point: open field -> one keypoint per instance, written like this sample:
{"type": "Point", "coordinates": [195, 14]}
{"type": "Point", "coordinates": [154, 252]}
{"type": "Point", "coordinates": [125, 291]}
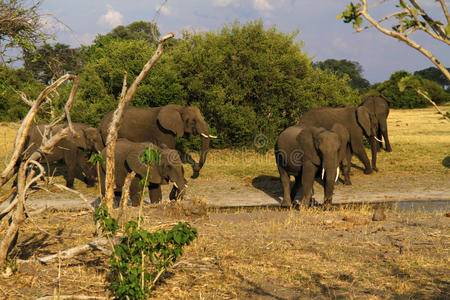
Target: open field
{"type": "Point", "coordinates": [259, 254]}
{"type": "Point", "coordinates": [270, 253]}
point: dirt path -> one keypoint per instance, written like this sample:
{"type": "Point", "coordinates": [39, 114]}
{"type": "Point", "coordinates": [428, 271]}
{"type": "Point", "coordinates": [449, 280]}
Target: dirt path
{"type": "Point", "coordinates": [266, 190]}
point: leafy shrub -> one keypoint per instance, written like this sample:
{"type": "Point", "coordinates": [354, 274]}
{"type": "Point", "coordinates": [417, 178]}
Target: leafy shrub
{"type": "Point", "coordinates": [12, 108]}
{"type": "Point", "coordinates": [246, 79]}
{"type": "Point", "coordinates": [138, 250]}
{"type": "Point", "coordinates": [409, 97]}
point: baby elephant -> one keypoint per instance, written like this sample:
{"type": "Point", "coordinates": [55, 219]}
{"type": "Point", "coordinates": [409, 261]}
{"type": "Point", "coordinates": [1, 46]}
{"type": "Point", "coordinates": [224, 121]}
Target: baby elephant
{"type": "Point", "coordinates": [301, 151]}
{"type": "Point", "coordinates": [127, 159]}
{"type": "Point", "coordinates": [71, 149]}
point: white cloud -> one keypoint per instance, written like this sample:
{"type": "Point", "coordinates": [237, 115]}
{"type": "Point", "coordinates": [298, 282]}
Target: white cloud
{"type": "Point", "coordinates": [85, 39]}
{"type": "Point", "coordinates": [223, 3]}
{"type": "Point", "coordinates": [112, 18]}
{"type": "Point", "coordinates": [262, 5]}
{"type": "Point", "coordinates": [432, 3]}
{"type": "Point", "coordinates": [164, 10]}
{"type": "Point", "coordinates": [51, 24]}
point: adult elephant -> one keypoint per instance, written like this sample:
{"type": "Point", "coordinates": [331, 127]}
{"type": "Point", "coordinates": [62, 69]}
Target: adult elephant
{"type": "Point", "coordinates": [358, 121]}
{"type": "Point", "coordinates": [379, 106]}
{"type": "Point", "coordinates": [301, 151]}
{"type": "Point", "coordinates": [127, 159]}
{"type": "Point", "coordinates": [71, 149]}
{"type": "Point", "coordinates": [161, 125]}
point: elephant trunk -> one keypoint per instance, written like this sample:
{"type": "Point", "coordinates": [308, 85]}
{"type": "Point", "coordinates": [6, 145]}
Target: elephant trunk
{"type": "Point", "coordinates": [205, 136]}
{"type": "Point", "coordinates": [179, 189]}
{"type": "Point", "coordinates": [330, 175]}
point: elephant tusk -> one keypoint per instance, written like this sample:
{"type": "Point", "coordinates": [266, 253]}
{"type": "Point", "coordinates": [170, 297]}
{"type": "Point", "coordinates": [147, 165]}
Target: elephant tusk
{"type": "Point", "coordinates": [213, 136]}
{"type": "Point", "coordinates": [337, 175]}
{"type": "Point", "coordinates": [185, 186]}
{"type": "Point", "coordinates": [175, 184]}
{"type": "Point", "coordinates": [323, 173]}
{"type": "Point", "coordinates": [377, 139]}
{"type": "Point", "coordinates": [204, 135]}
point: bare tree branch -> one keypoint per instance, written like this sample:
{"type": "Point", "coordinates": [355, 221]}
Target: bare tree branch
{"type": "Point", "coordinates": [8, 195]}
{"type": "Point", "coordinates": [432, 102]}
{"type": "Point", "coordinates": [117, 119]}
{"type": "Point", "coordinates": [433, 24]}
{"type": "Point", "coordinates": [445, 10]}
{"type": "Point", "coordinates": [364, 12]}
{"type": "Point", "coordinates": [7, 173]}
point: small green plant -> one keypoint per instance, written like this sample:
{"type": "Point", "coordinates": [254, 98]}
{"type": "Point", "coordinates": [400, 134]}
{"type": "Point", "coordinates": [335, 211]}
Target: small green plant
{"type": "Point", "coordinates": [148, 157]}
{"type": "Point", "coordinates": [141, 257]}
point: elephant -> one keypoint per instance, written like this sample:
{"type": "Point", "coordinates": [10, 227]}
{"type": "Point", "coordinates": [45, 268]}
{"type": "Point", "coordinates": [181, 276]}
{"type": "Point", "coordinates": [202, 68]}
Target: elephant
{"type": "Point", "coordinates": [301, 151]}
{"type": "Point", "coordinates": [161, 125]}
{"type": "Point", "coordinates": [358, 121]}
{"type": "Point", "coordinates": [379, 105]}
{"type": "Point", "coordinates": [127, 159]}
{"type": "Point", "coordinates": [71, 149]}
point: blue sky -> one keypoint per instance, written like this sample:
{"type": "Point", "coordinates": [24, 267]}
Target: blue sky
{"type": "Point", "coordinates": [323, 36]}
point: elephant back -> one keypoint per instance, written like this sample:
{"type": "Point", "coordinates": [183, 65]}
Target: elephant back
{"type": "Point", "coordinates": [288, 152]}
{"type": "Point", "coordinates": [138, 125]}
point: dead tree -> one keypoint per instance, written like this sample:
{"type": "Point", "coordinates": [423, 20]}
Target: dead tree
{"type": "Point", "coordinates": [125, 98]}
{"type": "Point", "coordinates": [410, 18]}
{"type": "Point", "coordinates": [29, 171]}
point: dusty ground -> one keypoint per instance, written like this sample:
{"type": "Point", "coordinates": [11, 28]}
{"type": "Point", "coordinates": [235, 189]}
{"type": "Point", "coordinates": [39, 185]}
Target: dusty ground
{"type": "Point", "coordinates": [267, 253]}
{"type": "Point", "coordinates": [257, 254]}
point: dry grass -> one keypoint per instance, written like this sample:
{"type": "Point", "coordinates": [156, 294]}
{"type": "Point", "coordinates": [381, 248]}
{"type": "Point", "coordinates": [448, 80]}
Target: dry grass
{"type": "Point", "coordinates": [270, 254]}
{"type": "Point", "coordinates": [419, 137]}
{"type": "Point", "coordinates": [420, 140]}
{"type": "Point", "coordinates": [260, 254]}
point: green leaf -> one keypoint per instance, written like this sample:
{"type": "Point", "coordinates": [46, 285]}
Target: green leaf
{"type": "Point", "coordinates": [447, 29]}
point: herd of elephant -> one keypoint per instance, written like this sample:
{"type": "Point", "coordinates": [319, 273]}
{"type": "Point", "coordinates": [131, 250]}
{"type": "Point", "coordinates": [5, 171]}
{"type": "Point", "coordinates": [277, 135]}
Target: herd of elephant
{"type": "Point", "coordinates": [324, 139]}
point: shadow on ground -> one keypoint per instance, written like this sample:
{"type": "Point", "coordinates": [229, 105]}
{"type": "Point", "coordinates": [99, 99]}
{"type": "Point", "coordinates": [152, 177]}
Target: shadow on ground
{"type": "Point", "coordinates": [270, 185]}
{"type": "Point", "coordinates": [446, 162]}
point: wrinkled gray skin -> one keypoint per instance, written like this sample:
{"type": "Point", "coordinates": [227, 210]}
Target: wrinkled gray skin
{"type": "Point", "coordinates": [71, 149]}
{"type": "Point", "coordinates": [303, 152]}
{"type": "Point", "coordinates": [127, 155]}
{"type": "Point", "coordinates": [160, 125]}
{"type": "Point", "coordinates": [358, 121]}
{"type": "Point", "coordinates": [379, 105]}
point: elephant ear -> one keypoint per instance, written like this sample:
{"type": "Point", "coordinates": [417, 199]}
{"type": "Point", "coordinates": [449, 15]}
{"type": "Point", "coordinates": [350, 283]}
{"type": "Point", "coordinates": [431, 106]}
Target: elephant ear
{"type": "Point", "coordinates": [169, 118]}
{"type": "Point", "coordinates": [134, 163]}
{"type": "Point", "coordinates": [92, 138]}
{"type": "Point", "coordinates": [363, 117]}
{"type": "Point", "coordinates": [344, 138]}
{"type": "Point", "coordinates": [78, 138]}
{"type": "Point", "coordinates": [306, 142]}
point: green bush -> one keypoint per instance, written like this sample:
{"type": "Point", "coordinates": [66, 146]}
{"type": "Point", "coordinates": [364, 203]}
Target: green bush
{"type": "Point", "coordinates": [12, 108]}
{"type": "Point", "coordinates": [246, 79]}
{"type": "Point", "coordinates": [141, 257]}
{"type": "Point", "coordinates": [409, 98]}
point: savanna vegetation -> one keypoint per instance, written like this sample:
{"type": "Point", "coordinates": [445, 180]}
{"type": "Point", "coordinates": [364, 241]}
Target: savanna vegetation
{"type": "Point", "coordinates": [247, 79]}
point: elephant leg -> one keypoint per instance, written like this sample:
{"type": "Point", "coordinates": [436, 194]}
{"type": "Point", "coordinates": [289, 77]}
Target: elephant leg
{"type": "Point", "coordinates": [308, 174]}
{"type": "Point", "coordinates": [134, 193]}
{"type": "Point", "coordinates": [384, 132]}
{"type": "Point", "coordinates": [379, 144]}
{"type": "Point", "coordinates": [286, 183]}
{"type": "Point", "coordinates": [373, 147]}
{"type": "Point", "coordinates": [70, 162]}
{"type": "Point", "coordinates": [154, 192]}
{"type": "Point", "coordinates": [358, 150]}
{"type": "Point", "coordinates": [296, 187]}
{"type": "Point", "coordinates": [346, 164]}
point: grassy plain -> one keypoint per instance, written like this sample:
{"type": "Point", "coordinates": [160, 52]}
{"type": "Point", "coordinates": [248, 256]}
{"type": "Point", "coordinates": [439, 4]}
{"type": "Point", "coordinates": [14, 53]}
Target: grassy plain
{"type": "Point", "coordinates": [267, 253]}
